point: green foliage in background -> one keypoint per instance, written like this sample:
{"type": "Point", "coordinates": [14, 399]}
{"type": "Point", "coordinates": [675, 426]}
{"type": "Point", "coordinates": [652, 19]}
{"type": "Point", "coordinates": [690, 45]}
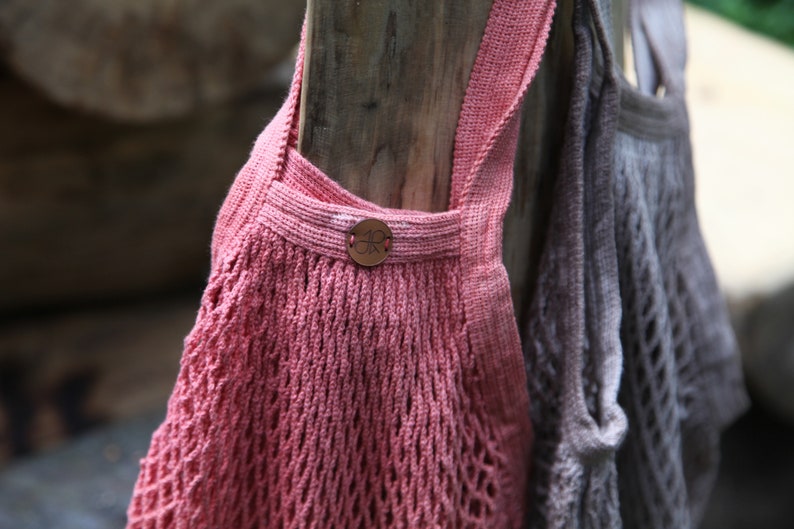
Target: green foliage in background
{"type": "Point", "coordinates": [770, 17]}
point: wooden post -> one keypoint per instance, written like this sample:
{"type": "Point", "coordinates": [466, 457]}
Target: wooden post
{"type": "Point", "coordinates": [383, 84]}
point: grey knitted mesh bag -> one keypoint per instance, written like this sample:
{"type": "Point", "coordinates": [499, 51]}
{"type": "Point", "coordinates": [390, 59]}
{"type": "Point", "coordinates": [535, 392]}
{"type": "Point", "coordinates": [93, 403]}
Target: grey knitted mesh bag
{"type": "Point", "coordinates": [632, 364]}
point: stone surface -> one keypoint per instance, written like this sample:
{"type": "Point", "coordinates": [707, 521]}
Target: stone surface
{"type": "Point", "coordinates": [64, 374]}
{"type": "Point", "coordinates": [85, 485]}
{"type": "Point", "coordinates": [766, 333]}
{"type": "Point", "coordinates": [95, 210]}
{"type": "Point", "coordinates": [755, 486]}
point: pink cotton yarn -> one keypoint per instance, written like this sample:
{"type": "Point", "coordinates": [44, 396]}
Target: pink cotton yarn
{"type": "Point", "coordinates": [317, 393]}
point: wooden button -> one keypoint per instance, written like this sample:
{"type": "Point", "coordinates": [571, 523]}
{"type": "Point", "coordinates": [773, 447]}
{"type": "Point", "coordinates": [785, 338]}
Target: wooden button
{"type": "Point", "coordinates": [369, 242]}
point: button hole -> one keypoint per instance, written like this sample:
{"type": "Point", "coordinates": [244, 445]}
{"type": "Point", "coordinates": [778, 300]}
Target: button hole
{"type": "Point", "coordinates": [352, 240]}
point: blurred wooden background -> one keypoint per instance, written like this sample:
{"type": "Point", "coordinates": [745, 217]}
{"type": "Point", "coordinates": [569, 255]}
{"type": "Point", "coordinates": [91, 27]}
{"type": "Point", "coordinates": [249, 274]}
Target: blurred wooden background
{"type": "Point", "coordinates": [123, 124]}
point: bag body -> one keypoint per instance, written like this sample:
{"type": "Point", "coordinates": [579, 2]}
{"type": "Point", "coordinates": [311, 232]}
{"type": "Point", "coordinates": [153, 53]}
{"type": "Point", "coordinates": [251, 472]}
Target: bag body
{"type": "Point", "coordinates": [316, 392]}
{"type": "Point", "coordinates": [632, 364]}
{"type": "Point", "coordinates": [682, 382]}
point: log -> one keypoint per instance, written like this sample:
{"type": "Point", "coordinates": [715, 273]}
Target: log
{"type": "Point", "coordinates": [92, 210]}
{"type": "Point", "coordinates": [140, 61]}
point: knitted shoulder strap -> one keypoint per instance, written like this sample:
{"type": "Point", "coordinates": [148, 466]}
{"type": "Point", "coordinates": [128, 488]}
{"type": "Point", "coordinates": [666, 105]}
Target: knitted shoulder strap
{"type": "Point", "coordinates": [506, 63]}
{"type": "Point", "coordinates": [592, 126]}
{"type": "Point", "coordinates": [659, 42]}
{"type": "Point", "coordinates": [482, 178]}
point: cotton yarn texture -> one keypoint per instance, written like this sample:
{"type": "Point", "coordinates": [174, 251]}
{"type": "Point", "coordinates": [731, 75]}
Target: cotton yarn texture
{"type": "Point", "coordinates": [632, 365]}
{"type": "Point", "coordinates": [316, 393]}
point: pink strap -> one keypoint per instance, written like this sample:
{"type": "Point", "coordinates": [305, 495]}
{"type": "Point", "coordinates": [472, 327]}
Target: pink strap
{"type": "Point", "coordinates": [506, 63]}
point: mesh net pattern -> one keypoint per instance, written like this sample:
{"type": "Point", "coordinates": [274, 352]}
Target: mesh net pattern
{"type": "Point", "coordinates": [652, 479]}
{"type": "Point", "coordinates": [632, 365]}
{"type": "Point", "coordinates": [337, 411]}
{"type": "Point", "coordinates": [681, 382]}
{"type": "Point", "coordinates": [315, 393]}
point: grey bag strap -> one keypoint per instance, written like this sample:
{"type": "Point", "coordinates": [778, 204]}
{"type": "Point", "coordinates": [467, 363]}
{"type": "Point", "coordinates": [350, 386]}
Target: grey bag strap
{"type": "Point", "coordinates": [659, 42]}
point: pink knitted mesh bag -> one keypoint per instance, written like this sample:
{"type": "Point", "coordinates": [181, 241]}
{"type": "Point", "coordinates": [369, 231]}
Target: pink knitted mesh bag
{"type": "Point", "coordinates": [315, 392]}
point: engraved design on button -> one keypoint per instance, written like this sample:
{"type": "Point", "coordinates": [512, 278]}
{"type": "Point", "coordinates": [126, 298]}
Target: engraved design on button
{"type": "Point", "coordinates": [369, 242]}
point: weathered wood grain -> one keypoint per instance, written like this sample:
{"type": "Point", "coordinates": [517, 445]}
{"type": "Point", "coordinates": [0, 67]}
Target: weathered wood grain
{"type": "Point", "coordinates": [537, 160]}
{"type": "Point", "coordinates": [383, 84]}
{"type": "Point", "coordinates": [93, 210]}
{"type": "Point", "coordinates": [144, 60]}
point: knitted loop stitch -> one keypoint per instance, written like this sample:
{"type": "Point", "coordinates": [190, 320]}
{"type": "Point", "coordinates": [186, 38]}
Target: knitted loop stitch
{"type": "Point", "coordinates": [314, 392]}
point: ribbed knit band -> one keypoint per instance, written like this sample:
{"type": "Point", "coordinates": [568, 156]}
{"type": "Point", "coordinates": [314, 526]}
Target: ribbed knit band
{"type": "Point", "coordinates": [294, 210]}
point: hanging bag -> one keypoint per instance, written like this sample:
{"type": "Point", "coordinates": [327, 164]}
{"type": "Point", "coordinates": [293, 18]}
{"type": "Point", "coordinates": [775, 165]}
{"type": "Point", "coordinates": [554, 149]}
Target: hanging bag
{"type": "Point", "coordinates": [633, 368]}
{"type": "Point", "coordinates": [682, 382]}
{"type": "Point", "coordinates": [315, 391]}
